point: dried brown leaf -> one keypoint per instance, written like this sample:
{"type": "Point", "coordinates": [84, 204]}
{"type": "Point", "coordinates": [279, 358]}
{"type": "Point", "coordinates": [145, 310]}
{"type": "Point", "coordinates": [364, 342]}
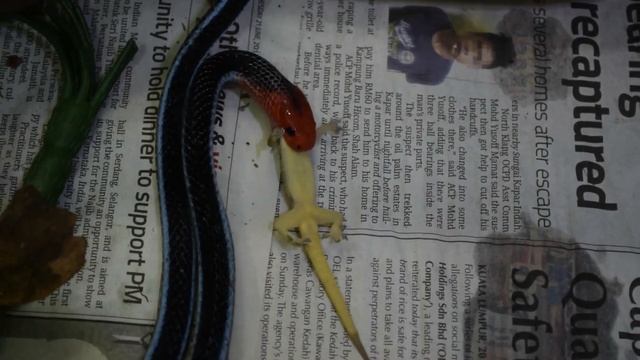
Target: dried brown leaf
{"type": "Point", "coordinates": [38, 252]}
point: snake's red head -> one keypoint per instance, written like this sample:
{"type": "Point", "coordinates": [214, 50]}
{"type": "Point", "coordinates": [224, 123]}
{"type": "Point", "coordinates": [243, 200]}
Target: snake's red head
{"type": "Point", "coordinates": [295, 117]}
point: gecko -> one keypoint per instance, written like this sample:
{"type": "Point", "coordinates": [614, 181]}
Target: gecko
{"type": "Point", "coordinates": [305, 217]}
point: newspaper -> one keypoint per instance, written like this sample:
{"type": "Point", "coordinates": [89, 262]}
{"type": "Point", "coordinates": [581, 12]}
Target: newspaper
{"type": "Point", "coordinates": [489, 200]}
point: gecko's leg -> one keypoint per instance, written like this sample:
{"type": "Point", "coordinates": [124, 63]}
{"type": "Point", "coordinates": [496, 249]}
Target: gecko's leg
{"type": "Point", "coordinates": [332, 127]}
{"type": "Point", "coordinates": [286, 223]}
{"type": "Point", "coordinates": [326, 217]}
{"type": "Point", "coordinates": [245, 101]}
{"type": "Point", "coordinates": [292, 219]}
{"type": "Point", "coordinates": [274, 138]}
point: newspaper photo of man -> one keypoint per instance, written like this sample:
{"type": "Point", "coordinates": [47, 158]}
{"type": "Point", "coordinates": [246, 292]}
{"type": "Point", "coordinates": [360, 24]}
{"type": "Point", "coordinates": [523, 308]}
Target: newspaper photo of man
{"type": "Point", "coordinates": [424, 45]}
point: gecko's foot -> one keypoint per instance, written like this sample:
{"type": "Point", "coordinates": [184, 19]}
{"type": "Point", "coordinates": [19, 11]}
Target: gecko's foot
{"type": "Point", "coordinates": [311, 214]}
{"type": "Point", "coordinates": [340, 235]}
{"type": "Point", "coordinates": [332, 127]}
{"type": "Point", "coordinates": [336, 231]}
{"type": "Point", "coordinates": [245, 101]}
{"type": "Point", "coordinates": [274, 137]}
{"type": "Point", "coordinates": [288, 234]}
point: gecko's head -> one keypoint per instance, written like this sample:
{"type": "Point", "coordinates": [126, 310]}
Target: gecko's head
{"type": "Point", "coordinates": [297, 122]}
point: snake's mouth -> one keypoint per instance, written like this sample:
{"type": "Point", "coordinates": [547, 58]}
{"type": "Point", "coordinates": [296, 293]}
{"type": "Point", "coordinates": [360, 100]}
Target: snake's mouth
{"type": "Point", "coordinates": [298, 142]}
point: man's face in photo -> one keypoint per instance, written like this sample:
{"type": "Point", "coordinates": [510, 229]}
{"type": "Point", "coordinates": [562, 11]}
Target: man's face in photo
{"type": "Point", "coordinates": [470, 49]}
{"type": "Point", "coordinates": [475, 51]}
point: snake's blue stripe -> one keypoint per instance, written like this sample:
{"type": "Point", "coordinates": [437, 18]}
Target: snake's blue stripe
{"type": "Point", "coordinates": [180, 279]}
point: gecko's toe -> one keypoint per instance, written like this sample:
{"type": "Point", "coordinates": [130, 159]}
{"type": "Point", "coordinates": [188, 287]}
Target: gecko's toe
{"type": "Point", "coordinates": [336, 233]}
{"type": "Point", "coordinates": [282, 236]}
{"type": "Point", "coordinates": [303, 241]}
{"type": "Point", "coordinates": [298, 240]}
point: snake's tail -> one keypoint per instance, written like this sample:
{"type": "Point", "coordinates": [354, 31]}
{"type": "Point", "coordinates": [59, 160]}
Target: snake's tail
{"type": "Point", "coordinates": [315, 254]}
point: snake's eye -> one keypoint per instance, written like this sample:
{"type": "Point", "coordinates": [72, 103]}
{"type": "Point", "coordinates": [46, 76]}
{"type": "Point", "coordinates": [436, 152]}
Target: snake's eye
{"type": "Point", "coordinates": [290, 131]}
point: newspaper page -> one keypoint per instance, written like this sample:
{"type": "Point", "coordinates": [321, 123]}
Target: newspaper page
{"type": "Point", "coordinates": [486, 170]}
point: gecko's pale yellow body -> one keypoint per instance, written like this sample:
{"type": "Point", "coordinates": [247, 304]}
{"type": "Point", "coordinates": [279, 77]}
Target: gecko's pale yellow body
{"type": "Point", "coordinates": [304, 218]}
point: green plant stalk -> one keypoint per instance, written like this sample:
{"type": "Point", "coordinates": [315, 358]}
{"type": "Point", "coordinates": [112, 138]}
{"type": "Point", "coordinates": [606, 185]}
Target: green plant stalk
{"type": "Point", "coordinates": [67, 129]}
{"type": "Point", "coordinates": [67, 16]}
{"type": "Point", "coordinates": [79, 99]}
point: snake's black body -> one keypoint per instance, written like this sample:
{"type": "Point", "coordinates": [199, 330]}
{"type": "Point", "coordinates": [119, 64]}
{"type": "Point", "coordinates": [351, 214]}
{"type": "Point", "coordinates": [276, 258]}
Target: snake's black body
{"type": "Point", "coordinates": [196, 306]}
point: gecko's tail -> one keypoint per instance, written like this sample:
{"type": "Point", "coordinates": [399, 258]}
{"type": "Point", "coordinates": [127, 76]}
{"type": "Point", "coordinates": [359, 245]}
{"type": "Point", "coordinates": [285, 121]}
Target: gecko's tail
{"type": "Point", "coordinates": [315, 254]}
{"type": "Point", "coordinates": [357, 343]}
